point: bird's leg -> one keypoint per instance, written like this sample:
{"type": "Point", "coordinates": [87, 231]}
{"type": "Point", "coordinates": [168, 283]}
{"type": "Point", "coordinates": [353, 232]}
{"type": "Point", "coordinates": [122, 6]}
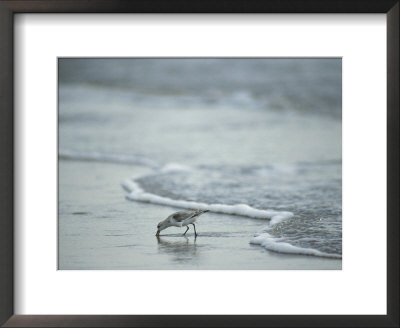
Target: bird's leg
{"type": "Point", "coordinates": [187, 228]}
{"type": "Point", "coordinates": [195, 233]}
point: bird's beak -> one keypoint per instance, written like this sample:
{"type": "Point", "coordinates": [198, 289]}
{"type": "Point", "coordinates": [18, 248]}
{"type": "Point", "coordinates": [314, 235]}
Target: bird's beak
{"type": "Point", "coordinates": [158, 233]}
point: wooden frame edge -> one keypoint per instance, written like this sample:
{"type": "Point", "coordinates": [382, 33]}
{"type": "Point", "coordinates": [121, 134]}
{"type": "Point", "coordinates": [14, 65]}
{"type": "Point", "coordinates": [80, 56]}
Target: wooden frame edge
{"type": "Point", "coordinates": [9, 8]}
{"type": "Point", "coordinates": [6, 165]}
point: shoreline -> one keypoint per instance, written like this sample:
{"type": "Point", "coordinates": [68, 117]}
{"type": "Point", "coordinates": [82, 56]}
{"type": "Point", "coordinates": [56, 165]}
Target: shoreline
{"type": "Point", "coordinates": [109, 232]}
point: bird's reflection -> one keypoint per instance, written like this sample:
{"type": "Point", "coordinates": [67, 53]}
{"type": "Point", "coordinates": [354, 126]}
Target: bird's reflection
{"type": "Point", "coordinates": [183, 249]}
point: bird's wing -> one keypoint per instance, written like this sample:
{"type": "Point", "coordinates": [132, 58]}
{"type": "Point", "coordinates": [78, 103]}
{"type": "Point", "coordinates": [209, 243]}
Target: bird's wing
{"type": "Point", "coordinates": [181, 216]}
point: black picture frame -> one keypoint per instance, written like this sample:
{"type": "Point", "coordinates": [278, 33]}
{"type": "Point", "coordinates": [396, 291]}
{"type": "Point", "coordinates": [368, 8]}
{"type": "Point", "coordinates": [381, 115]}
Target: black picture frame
{"type": "Point", "coordinates": [10, 7]}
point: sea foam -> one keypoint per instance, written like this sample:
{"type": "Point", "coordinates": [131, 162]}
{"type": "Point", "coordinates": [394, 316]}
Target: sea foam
{"type": "Point", "coordinates": [264, 239]}
{"type": "Point", "coordinates": [136, 193]}
{"type": "Point", "coordinates": [174, 167]}
{"type": "Point", "coordinates": [271, 243]}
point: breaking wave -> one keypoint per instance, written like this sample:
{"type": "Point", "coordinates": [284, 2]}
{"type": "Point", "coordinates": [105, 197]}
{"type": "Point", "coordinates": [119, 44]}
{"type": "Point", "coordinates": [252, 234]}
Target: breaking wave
{"type": "Point", "coordinates": [135, 192]}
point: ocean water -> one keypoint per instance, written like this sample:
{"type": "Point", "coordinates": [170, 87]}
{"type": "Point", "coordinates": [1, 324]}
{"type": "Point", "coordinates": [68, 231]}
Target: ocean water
{"type": "Point", "coordinates": [248, 138]}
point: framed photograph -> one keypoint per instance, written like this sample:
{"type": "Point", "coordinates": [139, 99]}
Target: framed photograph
{"type": "Point", "coordinates": [199, 164]}
{"type": "Point", "coordinates": [215, 147]}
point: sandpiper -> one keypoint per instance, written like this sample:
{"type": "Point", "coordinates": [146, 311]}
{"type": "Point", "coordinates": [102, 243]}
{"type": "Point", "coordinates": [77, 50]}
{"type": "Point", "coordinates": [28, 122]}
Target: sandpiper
{"type": "Point", "coordinates": [180, 219]}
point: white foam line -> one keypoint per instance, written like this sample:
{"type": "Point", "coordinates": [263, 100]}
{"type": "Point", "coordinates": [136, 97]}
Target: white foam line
{"type": "Point", "coordinates": [267, 241]}
{"type": "Point", "coordinates": [136, 193]}
{"type": "Point", "coordinates": [110, 158]}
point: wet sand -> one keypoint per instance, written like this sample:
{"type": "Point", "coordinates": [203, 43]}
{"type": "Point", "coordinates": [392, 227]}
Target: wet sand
{"type": "Point", "coordinates": [101, 230]}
